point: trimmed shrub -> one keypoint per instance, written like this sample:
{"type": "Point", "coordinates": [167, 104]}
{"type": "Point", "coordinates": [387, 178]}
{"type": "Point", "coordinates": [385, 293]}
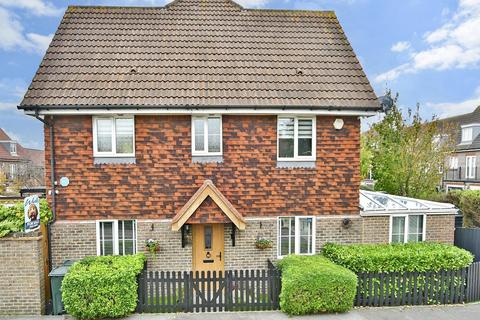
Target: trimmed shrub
{"type": "Point", "coordinates": [313, 284]}
{"type": "Point", "coordinates": [12, 217]}
{"type": "Point", "coordinates": [102, 287]}
{"type": "Point", "coordinates": [419, 257]}
{"type": "Point", "coordinates": [468, 201]}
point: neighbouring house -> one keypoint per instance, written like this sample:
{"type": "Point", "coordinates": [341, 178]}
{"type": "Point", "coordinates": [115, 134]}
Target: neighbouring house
{"type": "Point", "coordinates": [462, 168]}
{"type": "Point", "coordinates": [22, 166]}
{"type": "Point", "coordinates": [206, 127]}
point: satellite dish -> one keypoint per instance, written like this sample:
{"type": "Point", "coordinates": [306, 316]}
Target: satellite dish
{"type": "Point", "coordinates": [386, 102]}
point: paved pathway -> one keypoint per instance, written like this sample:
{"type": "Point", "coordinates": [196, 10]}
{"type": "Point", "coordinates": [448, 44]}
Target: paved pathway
{"type": "Point", "coordinates": [457, 312]}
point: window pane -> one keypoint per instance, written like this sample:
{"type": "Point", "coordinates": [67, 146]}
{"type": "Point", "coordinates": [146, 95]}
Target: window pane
{"type": "Point", "coordinates": [415, 228]}
{"type": "Point", "coordinates": [286, 137]}
{"type": "Point", "coordinates": [287, 236]}
{"type": "Point", "coordinates": [213, 143]}
{"type": "Point", "coordinates": [207, 232]}
{"type": "Point", "coordinates": [124, 135]}
{"type": "Point", "coordinates": [305, 134]}
{"type": "Point", "coordinates": [106, 238]}
{"type": "Point", "coordinates": [398, 229]}
{"type": "Point", "coordinates": [305, 244]}
{"type": "Point", "coordinates": [214, 133]}
{"type": "Point", "coordinates": [284, 247]}
{"type": "Point", "coordinates": [285, 226]}
{"type": "Point", "coordinates": [199, 134]}
{"type": "Point", "coordinates": [104, 135]}
{"type": "Point", "coordinates": [129, 247]}
{"type": "Point", "coordinates": [305, 226]}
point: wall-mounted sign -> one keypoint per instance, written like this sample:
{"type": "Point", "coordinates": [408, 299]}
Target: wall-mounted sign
{"type": "Point", "coordinates": [31, 208]}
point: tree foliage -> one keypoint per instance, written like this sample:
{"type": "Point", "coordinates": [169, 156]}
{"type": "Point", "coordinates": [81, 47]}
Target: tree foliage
{"type": "Point", "coordinates": [406, 153]}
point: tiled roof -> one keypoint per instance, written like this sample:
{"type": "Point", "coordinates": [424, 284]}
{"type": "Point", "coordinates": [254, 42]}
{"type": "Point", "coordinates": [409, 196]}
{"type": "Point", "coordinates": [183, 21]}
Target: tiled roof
{"type": "Point", "coordinates": [465, 119]}
{"type": "Point", "coordinates": [206, 53]}
{"type": "Point", "coordinates": [37, 157]}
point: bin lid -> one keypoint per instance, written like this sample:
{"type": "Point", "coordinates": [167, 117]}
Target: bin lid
{"type": "Point", "coordinates": [59, 271]}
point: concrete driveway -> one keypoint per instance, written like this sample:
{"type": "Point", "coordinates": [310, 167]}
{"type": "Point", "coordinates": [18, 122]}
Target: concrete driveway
{"type": "Point", "coordinates": [456, 312]}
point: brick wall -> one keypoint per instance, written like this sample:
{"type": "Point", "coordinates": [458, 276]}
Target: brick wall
{"type": "Point", "coordinates": [164, 177]}
{"type": "Point", "coordinates": [72, 241]}
{"type": "Point", "coordinates": [376, 229]}
{"type": "Point", "coordinates": [22, 278]}
{"type": "Point", "coordinates": [441, 228]}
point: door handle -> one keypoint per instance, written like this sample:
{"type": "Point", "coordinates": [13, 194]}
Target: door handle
{"type": "Point", "coordinates": [220, 256]}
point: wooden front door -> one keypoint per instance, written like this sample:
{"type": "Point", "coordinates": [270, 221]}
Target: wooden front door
{"type": "Point", "coordinates": [208, 244]}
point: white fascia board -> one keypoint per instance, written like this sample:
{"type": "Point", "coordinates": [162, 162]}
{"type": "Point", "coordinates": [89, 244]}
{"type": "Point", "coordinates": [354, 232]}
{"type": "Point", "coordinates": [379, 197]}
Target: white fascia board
{"type": "Point", "coordinates": [408, 212]}
{"type": "Point", "coordinates": [184, 111]}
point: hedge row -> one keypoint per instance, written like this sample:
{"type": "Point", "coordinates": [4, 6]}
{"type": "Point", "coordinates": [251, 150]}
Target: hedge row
{"type": "Point", "coordinates": [313, 284]}
{"type": "Point", "coordinates": [102, 287]}
{"type": "Point", "coordinates": [467, 201]}
{"type": "Point", "coordinates": [420, 257]}
{"type": "Point", "coordinates": [12, 217]}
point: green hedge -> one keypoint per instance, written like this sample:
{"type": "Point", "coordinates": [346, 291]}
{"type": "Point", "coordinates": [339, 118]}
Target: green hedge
{"type": "Point", "coordinates": [420, 257]}
{"type": "Point", "coordinates": [467, 201]}
{"type": "Point", "coordinates": [12, 218]}
{"type": "Point", "coordinates": [313, 284]}
{"type": "Point", "coordinates": [102, 287]}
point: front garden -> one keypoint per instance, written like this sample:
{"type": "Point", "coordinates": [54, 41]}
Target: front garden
{"type": "Point", "coordinates": [342, 277]}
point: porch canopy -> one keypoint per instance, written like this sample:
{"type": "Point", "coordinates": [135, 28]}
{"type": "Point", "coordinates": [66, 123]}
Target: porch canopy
{"type": "Point", "coordinates": [208, 205]}
{"type": "Point", "coordinates": [379, 203]}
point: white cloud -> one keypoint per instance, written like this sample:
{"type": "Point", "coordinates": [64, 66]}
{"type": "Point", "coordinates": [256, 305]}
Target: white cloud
{"type": "Point", "coordinates": [252, 3]}
{"type": "Point", "coordinates": [7, 106]}
{"type": "Point", "coordinates": [36, 7]}
{"type": "Point", "coordinates": [454, 45]}
{"type": "Point", "coordinates": [448, 109]}
{"type": "Point", "coordinates": [13, 87]}
{"type": "Point", "coordinates": [400, 46]}
{"type": "Point", "coordinates": [12, 35]}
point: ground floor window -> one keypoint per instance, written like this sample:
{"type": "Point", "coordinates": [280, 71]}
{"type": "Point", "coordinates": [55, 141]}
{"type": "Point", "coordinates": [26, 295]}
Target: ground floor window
{"type": "Point", "coordinates": [116, 237]}
{"type": "Point", "coordinates": [296, 235]}
{"type": "Point", "coordinates": [407, 228]}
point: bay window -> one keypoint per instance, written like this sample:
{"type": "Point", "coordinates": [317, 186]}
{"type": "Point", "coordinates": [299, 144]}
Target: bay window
{"type": "Point", "coordinates": [116, 237]}
{"type": "Point", "coordinates": [407, 228]}
{"type": "Point", "coordinates": [114, 136]}
{"type": "Point", "coordinates": [296, 138]}
{"type": "Point", "coordinates": [207, 135]}
{"type": "Point", "coordinates": [296, 235]}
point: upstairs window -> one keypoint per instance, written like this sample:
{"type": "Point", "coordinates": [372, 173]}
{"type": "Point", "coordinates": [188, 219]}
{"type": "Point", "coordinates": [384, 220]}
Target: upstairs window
{"type": "Point", "coordinates": [116, 237]}
{"type": "Point", "coordinates": [471, 169]}
{"type": "Point", "coordinates": [296, 138]}
{"type": "Point", "coordinates": [453, 163]}
{"type": "Point", "coordinates": [207, 135]}
{"type": "Point", "coordinates": [13, 148]}
{"type": "Point", "coordinates": [114, 136]}
{"type": "Point", "coordinates": [467, 134]}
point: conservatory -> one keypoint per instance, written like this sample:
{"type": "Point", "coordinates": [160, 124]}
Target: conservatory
{"type": "Point", "coordinates": [407, 215]}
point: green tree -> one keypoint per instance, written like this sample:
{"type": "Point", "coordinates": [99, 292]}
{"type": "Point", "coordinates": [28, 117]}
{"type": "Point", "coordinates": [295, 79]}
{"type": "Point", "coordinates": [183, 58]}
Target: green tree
{"type": "Point", "coordinates": [407, 153]}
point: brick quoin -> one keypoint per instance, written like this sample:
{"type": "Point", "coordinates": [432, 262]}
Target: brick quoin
{"type": "Point", "coordinates": [164, 176]}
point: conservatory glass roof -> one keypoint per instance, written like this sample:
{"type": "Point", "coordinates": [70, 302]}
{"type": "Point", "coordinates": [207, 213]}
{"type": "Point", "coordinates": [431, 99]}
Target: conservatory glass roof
{"type": "Point", "coordinates": [381, 203]}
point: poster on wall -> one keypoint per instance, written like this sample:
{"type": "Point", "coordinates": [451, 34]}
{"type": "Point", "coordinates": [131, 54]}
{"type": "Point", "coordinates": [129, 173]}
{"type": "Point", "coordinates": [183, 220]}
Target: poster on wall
{"type": "Point", "coordinates": [31, 207]}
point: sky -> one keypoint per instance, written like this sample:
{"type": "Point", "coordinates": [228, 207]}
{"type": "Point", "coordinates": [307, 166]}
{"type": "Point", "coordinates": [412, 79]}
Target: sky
{"type": "Point", "coordinates": [426, 50]}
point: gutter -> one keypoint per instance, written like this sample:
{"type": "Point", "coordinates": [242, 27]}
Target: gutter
{"type": "Point", "coordinates": [52, 181]}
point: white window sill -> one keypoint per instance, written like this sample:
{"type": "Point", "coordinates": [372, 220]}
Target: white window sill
{"type": "Point", "coordinates": [305, 164]}
{"type": "Point", "coordinates": [114, 160]}
{"type": "Point", "coordinates": [207, 158]}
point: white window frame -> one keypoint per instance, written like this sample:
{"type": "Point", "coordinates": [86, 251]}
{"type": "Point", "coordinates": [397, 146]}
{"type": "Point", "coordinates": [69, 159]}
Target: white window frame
{"type": "Point", "coordinates": [297, 235]}
{"type": "Point", "coordinates": [470, 167]}
{"type": "Point", "coordinates": [115, 236]}
{"type": "Point", "coordinates": [406, 231]}
{"type": "Point", "coordinates": [296, 157]}
{"type": "Point", "coordinates": [13, 170]}
{"type": "Point", "coordinates": [468, 127]}
{"type": "Point", "coordinates": [113, 153]}
{"type": "Point", "coordinates": [13, 148]}
{"type": "Point", "coordinates": [453, 163]}
{"type": "Point", "coordinates": [205, 135]}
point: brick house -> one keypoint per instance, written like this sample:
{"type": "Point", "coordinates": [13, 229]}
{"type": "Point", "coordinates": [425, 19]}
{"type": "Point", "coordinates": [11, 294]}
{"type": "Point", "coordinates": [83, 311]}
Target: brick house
{"type": "Point", "coordinates": [17, 161]}
{"type": "Point", "coordinates": [204, 126]}
{"type": "Point", "coordinates": [462, 170]}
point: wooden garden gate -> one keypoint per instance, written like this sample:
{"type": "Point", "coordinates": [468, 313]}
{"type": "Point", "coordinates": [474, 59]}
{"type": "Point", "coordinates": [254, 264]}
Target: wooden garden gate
{"type": "Point", "coordinates": [236, 290]}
